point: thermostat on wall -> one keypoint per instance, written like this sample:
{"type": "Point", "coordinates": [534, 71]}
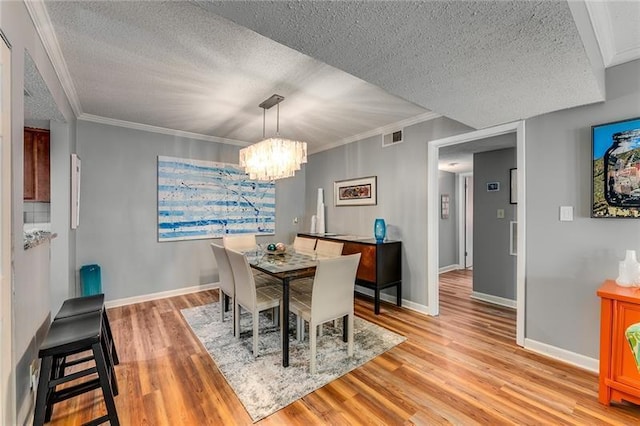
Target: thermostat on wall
{"type": "Point", "coordinates": [493, 186]}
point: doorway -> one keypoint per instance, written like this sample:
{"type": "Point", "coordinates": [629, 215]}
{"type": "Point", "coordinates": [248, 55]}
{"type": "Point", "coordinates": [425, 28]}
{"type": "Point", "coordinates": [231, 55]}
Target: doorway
{"type": "Point", "coordinates": [433, 214]}
{"type": "Point", "coordinates": [7, 411]}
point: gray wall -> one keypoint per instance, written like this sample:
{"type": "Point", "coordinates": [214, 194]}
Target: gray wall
{"type": "Point", "coordinates": [568, 261]}
{"type": "Point", "coordinates": [448, 228]}
{"type": "Point", "coordinates": [118, 211]}
{"type": "Point", "coordinates": [402, 187]}
{"type": "Point", "coordinates": [494, 269]}
{"type": "Point", "coordinates": [31, 298]}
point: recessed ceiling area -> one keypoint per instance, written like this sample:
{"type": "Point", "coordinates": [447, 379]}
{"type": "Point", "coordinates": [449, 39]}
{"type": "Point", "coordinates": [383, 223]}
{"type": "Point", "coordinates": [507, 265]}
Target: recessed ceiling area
{"type": "Point", "coordinates": [347, 70]}
{"type": "Point", "coordinates": [459, 158]}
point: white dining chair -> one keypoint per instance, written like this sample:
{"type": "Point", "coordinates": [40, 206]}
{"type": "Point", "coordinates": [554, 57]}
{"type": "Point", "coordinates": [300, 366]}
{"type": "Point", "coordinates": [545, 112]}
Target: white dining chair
{"type": "Point", "coordinates": [327, 249]}
{"type": "Point", "coordinates": [250, 298]}
{"type": "Point", "coordinates": [240, 242]}
{"type": "Point", "coordinates": [225, 275]}
{"type": "Point", "coordinates": [331, 298]}
{"type": "Point", "coordinates": [304, 245]}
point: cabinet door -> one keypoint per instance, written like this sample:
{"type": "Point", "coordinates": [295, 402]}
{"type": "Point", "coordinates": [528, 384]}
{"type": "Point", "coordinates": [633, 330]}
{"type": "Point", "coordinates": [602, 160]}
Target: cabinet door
{"type": "Point", "coordinates": [43, 188]}
{"type": "Point", "coordinates": [367, 266]}
{"type": "Point", "coordinates": [625, 369]}
{"type": "Point", "coordinates": [29, 166]}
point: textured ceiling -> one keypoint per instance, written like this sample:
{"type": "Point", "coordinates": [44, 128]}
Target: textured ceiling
{"type": "Point", "coordinates": [177, 66]}
{"type": "Point", "coordinates": [347, 68]}
{"type": "Point", "coordinates": [39, 106]}
{"type": "Point", "coordinates": [482, 63]}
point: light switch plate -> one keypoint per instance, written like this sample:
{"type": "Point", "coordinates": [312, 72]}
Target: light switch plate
{"type": "Point", "coordinates": [566, 213]}
{"type": "Point", "coordinates": [500, 213]}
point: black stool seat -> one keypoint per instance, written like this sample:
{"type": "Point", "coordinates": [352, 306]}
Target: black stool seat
{"type": "Point", "coordinates": [81, 305]}
{"type": "Point", "coordinates": [72, 334]}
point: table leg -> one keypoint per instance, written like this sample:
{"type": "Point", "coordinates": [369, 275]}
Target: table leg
{"type": "Point", "coordinates": [284, 322]}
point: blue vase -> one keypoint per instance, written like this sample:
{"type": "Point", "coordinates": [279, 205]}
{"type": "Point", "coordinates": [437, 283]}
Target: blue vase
{"type": "Point", "coordinates": [379, 230]}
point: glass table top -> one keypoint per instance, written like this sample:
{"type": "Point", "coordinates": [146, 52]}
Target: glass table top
{"type": "Point", "coordinates": [288, 261]}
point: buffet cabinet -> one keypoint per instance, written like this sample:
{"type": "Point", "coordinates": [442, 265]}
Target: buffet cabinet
{"type": "Point", "coordinates": [380, 263]}
{"type": "Point", "coordinates": [619, 375]}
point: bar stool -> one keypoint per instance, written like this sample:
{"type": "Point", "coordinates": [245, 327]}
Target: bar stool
{"type": "Point", "coordinates": [70, 336]}
{"type": "Point", "coordinates": [84, 305]}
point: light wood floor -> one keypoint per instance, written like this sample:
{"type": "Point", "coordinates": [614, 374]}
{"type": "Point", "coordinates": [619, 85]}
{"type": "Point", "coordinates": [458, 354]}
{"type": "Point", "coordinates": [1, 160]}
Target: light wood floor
{"type": "Point", "coordinates": [462, 368]}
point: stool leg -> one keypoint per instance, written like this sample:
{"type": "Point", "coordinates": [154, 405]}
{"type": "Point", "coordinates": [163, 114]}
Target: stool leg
{"type": "Point", "coordinates": [43, 391]}
{"type": "Point", "coordinates": [114, 353]}
{"type": "Point", "coordinates": [105, 384]}
{"type": "Point", "coordinates": [106, 345]}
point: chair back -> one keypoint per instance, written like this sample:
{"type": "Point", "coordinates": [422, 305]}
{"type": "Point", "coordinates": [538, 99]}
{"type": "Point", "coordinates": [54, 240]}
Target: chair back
{"type": "Point", "coordinates": [328, 248]}
{"type": "Point", "coordinates": [333, 287]}
{"type": "Point", "coordinates": [243, 277]}
{"type": "Point", "coordinates": [304, 245]}
{"type": "Point", "coordinates": [227, 282]}
{"type": "Point", "coordinates": [239, 242]}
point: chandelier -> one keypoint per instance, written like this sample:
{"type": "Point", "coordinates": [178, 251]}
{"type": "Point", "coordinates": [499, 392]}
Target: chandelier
{"type": "Point", "coordinates": [275, 157]}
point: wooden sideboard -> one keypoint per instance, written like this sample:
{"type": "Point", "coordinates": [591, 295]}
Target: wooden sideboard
{"type": "Point", "coordinates": [619, 375]}
{"type": "Point", "coordinates": [380, 264]}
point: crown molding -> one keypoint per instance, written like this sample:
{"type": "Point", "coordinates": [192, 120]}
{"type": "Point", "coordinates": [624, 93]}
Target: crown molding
{"type": "Point", "coordinates": [625, 56]}
{"type": "Point", "coordinates": [44, 27]}
{"type": "Point", "coordinates": [601, 23]}
{"type": "Point", "coordinates": [379, 131]}
{"type": "Point", "coordinates": [157, 129]}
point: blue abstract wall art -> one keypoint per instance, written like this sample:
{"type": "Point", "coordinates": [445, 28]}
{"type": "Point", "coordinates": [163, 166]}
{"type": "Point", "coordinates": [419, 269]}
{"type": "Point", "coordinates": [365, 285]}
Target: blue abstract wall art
{"type": "Point", "coordinates": [204, 199]}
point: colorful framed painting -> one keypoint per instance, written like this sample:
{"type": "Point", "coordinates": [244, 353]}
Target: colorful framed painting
{"type": "Point", "coordinates": [356, 192]}
{"type": "Point", "coordinates": [203, 199]}
{"type": "Point", "coordinates": [615, 169]}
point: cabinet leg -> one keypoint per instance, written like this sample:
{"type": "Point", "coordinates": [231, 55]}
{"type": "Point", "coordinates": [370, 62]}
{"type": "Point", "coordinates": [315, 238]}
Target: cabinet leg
{"type": "Point", "coordinates": [399, 295]}
{"type": "Point", "coordinates": [376, 301]}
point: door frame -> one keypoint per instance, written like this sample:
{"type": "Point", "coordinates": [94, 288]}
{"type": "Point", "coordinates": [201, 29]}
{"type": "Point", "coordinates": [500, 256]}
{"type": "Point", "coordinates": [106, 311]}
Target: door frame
{"type": "Point", "coordinates": [7, 385]}
{"type": "Point", "coordinates": [517, 127]}
{"type": "Point", "coordinates": [462, 218]}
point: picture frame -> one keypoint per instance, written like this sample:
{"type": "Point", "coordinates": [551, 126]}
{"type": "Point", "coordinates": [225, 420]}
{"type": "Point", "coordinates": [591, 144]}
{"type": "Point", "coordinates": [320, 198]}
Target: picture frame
{"type": "Point", "coordinates": [356, 192]}
{"type": "Point", "coordinates": [513, 185]}
{"type": "Point", "coordinates": [615, 169]}
{"type": "Point", "coordinates": [444, 206]}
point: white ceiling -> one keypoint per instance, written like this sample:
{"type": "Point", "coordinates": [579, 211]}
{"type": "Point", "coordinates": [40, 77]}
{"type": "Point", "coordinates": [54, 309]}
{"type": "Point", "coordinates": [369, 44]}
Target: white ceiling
{"type": "Point", "coordinates": [347, 69]}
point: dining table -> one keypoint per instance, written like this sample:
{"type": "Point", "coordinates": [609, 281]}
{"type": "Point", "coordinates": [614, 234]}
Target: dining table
{"type": "Point", "coordinates": [285, 266]}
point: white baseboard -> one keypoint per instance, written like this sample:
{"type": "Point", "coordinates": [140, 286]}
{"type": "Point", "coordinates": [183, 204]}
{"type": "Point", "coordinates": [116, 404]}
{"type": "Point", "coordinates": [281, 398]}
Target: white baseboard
{"type": "Point", "coordinates": [160, 295]}
{"type": "Point", "coordinates": [578, 360]}
{"type": "Point", "coordinates": [392, 299]}
{"type": "Point", "coordinates": [496, 300]}
{"type": "Point", "coordinates": [448, 268]}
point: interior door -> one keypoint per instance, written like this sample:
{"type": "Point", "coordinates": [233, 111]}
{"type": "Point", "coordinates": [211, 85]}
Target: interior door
{"type": "Point", "coordinates": [468, 221]}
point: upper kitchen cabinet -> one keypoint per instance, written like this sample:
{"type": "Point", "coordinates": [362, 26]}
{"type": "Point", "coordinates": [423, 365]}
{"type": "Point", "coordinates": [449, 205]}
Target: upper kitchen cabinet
{"type": "Point", "coordinates": [36, 165]}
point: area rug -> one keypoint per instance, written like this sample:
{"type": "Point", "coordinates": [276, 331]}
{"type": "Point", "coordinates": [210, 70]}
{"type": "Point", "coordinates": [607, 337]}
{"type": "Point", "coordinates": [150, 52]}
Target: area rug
{"type": "Point", "coordinates": [262, 384]}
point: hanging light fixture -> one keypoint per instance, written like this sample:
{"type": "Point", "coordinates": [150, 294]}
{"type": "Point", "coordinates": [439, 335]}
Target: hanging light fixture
{"type": "Point", "coordinates": [276, 157]}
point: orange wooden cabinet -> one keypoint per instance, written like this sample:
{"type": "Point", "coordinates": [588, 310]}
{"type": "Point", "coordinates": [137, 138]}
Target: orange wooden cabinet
{"type": "Point", "coordinates": [36, 165]}
{"type": "Point", "coordinates": [619, 375]}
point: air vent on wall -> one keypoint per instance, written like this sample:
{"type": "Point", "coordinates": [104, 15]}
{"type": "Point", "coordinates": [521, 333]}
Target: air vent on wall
{"type": "Point", "coordinates": [27, 94]}
{"type": "Point", "coordinates": [392, 138]}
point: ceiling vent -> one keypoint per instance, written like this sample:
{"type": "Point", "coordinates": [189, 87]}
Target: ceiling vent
{"type": "Point", "coordinates": [392, 138]}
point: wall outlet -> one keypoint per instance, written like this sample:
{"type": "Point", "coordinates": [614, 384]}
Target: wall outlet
{"type": "Point", "coordinates": [500, 213]}
{"type": "Point", "coordinates": [34, 372]}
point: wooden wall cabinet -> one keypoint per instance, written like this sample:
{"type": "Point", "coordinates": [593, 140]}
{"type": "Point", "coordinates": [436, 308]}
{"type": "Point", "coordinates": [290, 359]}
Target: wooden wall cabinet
{"type": "Point", "coordinates": [36, 165]}
{"type": "Point", "coordinates": [380, 264]}
{"type": "Point", "coordinates": [619, 375]}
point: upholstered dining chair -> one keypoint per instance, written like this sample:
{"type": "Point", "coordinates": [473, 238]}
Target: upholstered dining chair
{"type": "Point", "coordinates": [330, 299]}
{"type": "Point", "coordinates": [250, 298]}
{"type": "Point", "coordinates": [304, 245]}
{"type": "Point", "coordinates": [239, 242]}
{"type": "Point", "coordinates": [327, 249]}
{"type": "Point", "coordinates": [227, 283]}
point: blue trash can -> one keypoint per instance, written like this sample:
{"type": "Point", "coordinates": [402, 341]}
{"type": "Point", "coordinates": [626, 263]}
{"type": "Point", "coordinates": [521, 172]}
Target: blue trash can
{"type": "Point", "coordinates": [90, 280]}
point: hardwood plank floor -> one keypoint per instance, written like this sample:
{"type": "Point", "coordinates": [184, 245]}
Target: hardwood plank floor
{"type": "Point", "coordinates": [462, 367]}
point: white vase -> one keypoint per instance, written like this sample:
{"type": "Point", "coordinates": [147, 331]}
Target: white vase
{"type": "Point", "coordinates": [629, 271]}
